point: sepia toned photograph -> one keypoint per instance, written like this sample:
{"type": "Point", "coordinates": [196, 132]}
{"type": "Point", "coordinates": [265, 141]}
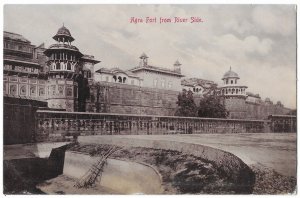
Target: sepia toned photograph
{"type": "Point", "coordinates": [155, 99]}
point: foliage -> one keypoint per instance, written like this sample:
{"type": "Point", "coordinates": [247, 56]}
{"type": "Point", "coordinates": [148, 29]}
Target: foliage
{"type": "Point", "coordinates": [211, 106]}
{"type": "Point", "coordinates": [186, 104]}
{"type": "Point", "coordinates": [292, 112]}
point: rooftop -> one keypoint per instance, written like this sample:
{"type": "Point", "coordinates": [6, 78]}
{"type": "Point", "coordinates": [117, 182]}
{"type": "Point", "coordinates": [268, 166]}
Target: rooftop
{"type": "Point", "coordinates": [115, 71]}
{"type": "Point", "coordinates": [14, 36]}
{"type": "Point", "coordinates": [197, 81]}
{"type": "Point", "coordinates": [156, 69]}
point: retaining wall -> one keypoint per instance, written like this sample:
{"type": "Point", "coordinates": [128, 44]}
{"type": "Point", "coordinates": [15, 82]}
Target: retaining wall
{"type": "Point", "coordinates": [122, 176]}
{"type": "Point", "coordinates": [231, 166]}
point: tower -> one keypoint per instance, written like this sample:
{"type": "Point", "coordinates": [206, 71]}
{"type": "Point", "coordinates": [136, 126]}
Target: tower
{"type": "Point", "coordinates": [234, 95]}
{"type": "Point", "coordinates": [177, 67]}
{"type": "Point", "coordinates": [63, 63]}
{"type": "Point", "coordinates": [144, 60]}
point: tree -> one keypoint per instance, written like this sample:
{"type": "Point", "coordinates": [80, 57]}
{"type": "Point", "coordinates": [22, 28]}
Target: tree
{"type": "Point", "coordinates": [210, 105]}
{"type": "Point", "coordinates": [186, 104]}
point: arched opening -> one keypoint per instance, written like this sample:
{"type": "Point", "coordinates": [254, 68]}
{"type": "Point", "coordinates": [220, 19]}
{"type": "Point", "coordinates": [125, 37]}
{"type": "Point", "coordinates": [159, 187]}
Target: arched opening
{"type": "Point", "coordinates": [69, 67]}
{"type": "Point", "coordinates": [115, 78]}
{"type": "Point", "coordinates": [120, 79]}
{"type": "Point", "coordinates": [194, 89]}
{"type": "Point", "coordinates": [124, 79]}
{"type": "Point", "coordinates": [57, 66]}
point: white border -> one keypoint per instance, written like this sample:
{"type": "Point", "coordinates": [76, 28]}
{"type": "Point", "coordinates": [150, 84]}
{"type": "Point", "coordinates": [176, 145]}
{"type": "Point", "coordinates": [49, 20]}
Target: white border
{"type": "Point", "coordinates": [3, 2]}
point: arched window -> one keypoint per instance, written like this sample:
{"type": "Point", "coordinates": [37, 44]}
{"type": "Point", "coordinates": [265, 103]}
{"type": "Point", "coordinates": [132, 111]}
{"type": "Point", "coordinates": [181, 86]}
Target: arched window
{"type": "Point", "coordinates": [41, 91]}
{"type": "Point", "coordinates": [120, 79]}
{"type": "Point", "coordinates": [197, 90]}
{"type": "Point", "coordinates": [13, 89]}
{"type": "Point", "coordinates": [57, 66]}
{"type": "Point", "coordinates": [23, 90]}
{"type": "Point", "coordinates": [235, 81]}
{"type": "Point", "coordinates": [155, 83]}
{"type": "Point", "coordinates": [69, 67]}
{"type": "Point", "coordinates": [226, 81]}
{"type": "Point", "coordinates": [32, 90]}
{"type": "Point", "coordinates": [115, 78]}
{"type": "Point", "coordinates": [124, 79]}
{"type": "Point", "coordinates": [231, 81]}
{"type": "Point", "coordinates": [194, 89]}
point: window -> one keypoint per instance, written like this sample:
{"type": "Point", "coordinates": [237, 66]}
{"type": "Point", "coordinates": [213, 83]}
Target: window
{"type": "Point", "coordinates": [52, 90]}
{"type": "Point", "coordinates": [235, 81]}
{"type": "Point", "coordinates": [69, 66]}
{"type": "Point", "coordinates": [41, 91]}
{"type": "Point", "coordinates": [13, 89]}
{"type": "Point", "coordinates": [61, 90]}
{"type": "Point", "coordinates": [120, 79]}
{"type": "Point", "coordinates": [57, 66]}
{"type": "Point", "coordinates": [231, 81]}
{"type": "Point", "coordinates": [69, 91]}
{"type": "Point", "coordinates": [33, 90]}
{"type": "Point", "coordinates": [155, 83]}
{"type": "Point", "coordinates": [23, 90]}
{"type": "Point", "coordinates": [163, 83]}
{"type": "Point", "coordinates": [226, 81]}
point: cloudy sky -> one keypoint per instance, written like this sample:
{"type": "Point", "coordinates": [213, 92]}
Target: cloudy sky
{"type": "Point", "coordinates": [257, 41]}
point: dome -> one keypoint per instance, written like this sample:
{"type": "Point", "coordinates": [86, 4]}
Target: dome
{"type": "Point", "coordinates": [64, 32]}
{"type": "Point", "coordinates": [230, 74]}
{"type": "Point", "coordinates": [143, 56]}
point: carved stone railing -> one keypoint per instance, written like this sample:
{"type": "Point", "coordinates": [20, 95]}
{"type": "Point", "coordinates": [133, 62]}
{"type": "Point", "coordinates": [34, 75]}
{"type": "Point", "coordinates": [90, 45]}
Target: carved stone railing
{"type": "Point", "coordinates": [58, 124]}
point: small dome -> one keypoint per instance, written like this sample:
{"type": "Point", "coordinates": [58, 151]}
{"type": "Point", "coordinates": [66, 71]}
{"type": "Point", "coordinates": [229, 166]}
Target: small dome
{"type": "Point", "coordinates": [64, 32]}
{"type": "Point", "coordinates": [177, 63]}
{"type": "Point", "coordinates": [230, 74]}
{"type": "Point", "coordinates": [143, 56]}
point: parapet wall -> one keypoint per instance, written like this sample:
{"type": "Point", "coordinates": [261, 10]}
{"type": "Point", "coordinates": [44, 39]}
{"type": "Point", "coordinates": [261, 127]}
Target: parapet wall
{"type": "Point", "coordinates": [56, 125]}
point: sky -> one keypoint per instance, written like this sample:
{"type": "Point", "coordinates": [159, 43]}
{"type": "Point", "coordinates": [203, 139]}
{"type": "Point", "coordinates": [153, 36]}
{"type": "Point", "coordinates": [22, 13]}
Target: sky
{"type": "Point", "coordinates": [257, 41]}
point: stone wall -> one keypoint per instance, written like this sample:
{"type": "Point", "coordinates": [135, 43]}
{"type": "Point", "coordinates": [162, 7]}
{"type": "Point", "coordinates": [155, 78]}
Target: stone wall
{"type": "Point", "coordinates": [127, 99]}
{"type": "Point", "coordinates": [19, 120]}
{"type": "Point", "coordinates": [58, 125]}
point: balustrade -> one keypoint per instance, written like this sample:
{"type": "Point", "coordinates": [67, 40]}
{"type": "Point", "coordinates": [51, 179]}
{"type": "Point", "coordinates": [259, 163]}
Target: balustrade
{"type": "Point", "coordinates": [75, 123]}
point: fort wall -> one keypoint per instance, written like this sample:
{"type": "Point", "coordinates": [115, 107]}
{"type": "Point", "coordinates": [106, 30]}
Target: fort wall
{"type": "Point", "coordinates": [108, 97]}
